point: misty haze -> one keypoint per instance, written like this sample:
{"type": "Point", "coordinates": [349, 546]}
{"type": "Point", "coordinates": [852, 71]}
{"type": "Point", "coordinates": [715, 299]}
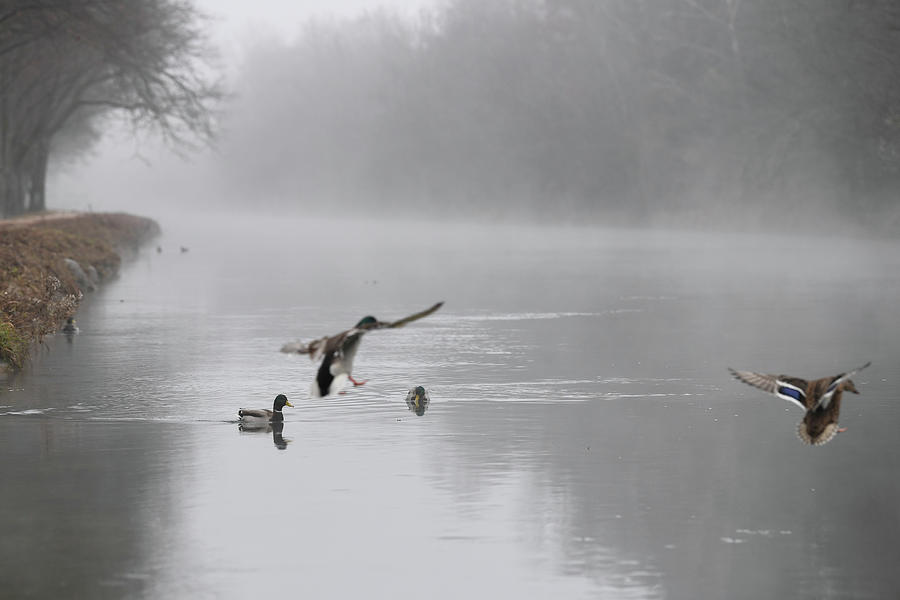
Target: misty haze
{"type": "Point", "coordinates": [615, 202]}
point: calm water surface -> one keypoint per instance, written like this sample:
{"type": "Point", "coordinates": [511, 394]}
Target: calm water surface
{"type": "Point", "coordinates": [584, 438]}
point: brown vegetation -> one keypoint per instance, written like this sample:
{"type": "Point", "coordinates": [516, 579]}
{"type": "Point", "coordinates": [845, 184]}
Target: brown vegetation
{"type": "Point", "coordinates": [37, 290]}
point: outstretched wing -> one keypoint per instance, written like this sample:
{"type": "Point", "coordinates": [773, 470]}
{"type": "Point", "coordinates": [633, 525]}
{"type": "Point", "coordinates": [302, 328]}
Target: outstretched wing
{"type": "Point", "coordinates": [315, 348]}
{"type": "Point", "coordinates": [295, 348]}
{"type": "Point", "coordinates": [328, 344]}
{"type": "Point", "coordinates": [413, 317]}
{"type": "Point", "coordinates": [792, 389]}
{"type": "Point", "coordinates": [825, 399]}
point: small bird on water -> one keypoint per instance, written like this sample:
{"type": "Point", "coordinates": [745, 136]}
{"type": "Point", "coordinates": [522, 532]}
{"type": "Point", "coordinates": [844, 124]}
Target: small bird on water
{"type": "Point", "coordinates": [820, 398]}
{"type": "Point", "coordinates": [70, 328]}
{"type": "Point", "coordinates": [263, 415]}
{"type": "Point", "coordinates": [418, 400]}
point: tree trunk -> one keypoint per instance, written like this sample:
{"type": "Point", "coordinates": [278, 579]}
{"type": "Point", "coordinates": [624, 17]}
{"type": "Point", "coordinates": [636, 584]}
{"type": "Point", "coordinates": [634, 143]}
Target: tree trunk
{"type": "Point", "coordinates": [12, 193]}
{"type": "Point", "coordinates": [37, 189]}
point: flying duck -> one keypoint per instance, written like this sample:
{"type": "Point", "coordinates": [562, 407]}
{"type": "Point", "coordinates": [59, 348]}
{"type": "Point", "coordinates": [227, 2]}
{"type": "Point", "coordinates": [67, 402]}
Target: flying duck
{"type": "Point", "coordinates": [263, 415]}
{"type": "Point", "coordinates": [820, 398]}
{"type": "Point", "coordinates": [338, 351]}
{"type": "Point", "coordinates": [418, 400]}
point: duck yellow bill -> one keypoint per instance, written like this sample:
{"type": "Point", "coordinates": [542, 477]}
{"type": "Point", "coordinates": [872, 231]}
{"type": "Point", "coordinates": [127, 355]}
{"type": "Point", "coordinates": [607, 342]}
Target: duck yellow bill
{"type": "Point", "coordinates": [417, 401]}
{"type": "Point", "coordinates": [289, 404]}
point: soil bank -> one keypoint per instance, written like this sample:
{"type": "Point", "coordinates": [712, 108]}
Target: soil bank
{"type": "Point", "coordinates": [48, 262]}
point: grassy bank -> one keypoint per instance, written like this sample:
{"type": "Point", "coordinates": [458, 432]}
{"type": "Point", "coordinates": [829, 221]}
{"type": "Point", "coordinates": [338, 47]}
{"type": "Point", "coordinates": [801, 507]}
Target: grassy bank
{"type": "Point", "coordinates": [38, 290]}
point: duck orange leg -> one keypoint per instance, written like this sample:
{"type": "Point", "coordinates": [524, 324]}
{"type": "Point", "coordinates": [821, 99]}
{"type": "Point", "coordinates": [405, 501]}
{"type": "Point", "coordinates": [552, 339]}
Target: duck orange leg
{"type": "Point", "coordinates": [355, 382]}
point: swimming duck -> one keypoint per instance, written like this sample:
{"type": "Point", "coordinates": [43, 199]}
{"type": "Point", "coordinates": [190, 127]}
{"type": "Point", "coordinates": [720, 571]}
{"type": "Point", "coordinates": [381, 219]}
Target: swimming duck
{"type": "Point", "coordinates": [820, 398]}
{"type": "Point", "coordinates": [257, 415]}
{"type": "Point", "coordinates": [338, 351]}
{"type": "Point", "coordinates": [418, 400]}
{"type": "Point", "coordinates": [70, 328]}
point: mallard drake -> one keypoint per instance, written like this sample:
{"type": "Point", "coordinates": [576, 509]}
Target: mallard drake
{"type": "Point", "coordinates": [338, 351]}
{"type": "Point", "coordinates": [70, 328]}
{"type": "Point", "coordinates": [263, 415]}
{"type": "Point", "coordinates": [820, 398]}
{"type": "Point", "coordinates": [418, 400]}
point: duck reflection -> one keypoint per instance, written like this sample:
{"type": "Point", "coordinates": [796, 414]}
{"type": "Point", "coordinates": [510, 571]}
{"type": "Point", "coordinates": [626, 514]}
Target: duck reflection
{"type": "Point", "coordinates": [276, 428]}
{"type": "Point", "coordinates": [418, 400]}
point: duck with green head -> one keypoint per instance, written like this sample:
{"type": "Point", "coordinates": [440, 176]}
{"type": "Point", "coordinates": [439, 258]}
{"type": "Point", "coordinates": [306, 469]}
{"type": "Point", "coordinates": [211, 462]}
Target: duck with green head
{"type": "Point", "coordinates": [70, 328]}
{"type": "Point", "coordinates": [264, 415]}
{"type": "Point", "coordinates": [820, 398]}
{"type": "Point", "coordinates": [418, 400]}
{"type": "Point", "coordinates": [338, 351]}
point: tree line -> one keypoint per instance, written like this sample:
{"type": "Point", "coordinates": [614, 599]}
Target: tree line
{"type": "Point", "coordinates": [631, 109]}
{"type": "Point", "coordinates": [67, 65]}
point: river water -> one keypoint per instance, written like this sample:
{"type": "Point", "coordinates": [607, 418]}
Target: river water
{"type": "Point", "coordinates": [584, 438]}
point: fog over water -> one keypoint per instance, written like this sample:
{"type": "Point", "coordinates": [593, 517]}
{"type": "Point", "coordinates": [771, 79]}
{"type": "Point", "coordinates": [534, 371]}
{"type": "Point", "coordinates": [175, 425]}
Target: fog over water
{"type": "Point", "coordinates": [616, 202]}
{"type": "Point", "coordinates": [584, 438]}
{"type": "Point", "coordinates": [712, 114]}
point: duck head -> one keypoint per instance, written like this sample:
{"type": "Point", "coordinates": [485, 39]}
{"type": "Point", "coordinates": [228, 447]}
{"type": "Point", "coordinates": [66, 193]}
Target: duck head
{"type": "Point", "coordinates": [281, 401]}
{"type": "Point", "coordinates": [367, 322]}
{"type": "Point", "coordinates": [417, 400]}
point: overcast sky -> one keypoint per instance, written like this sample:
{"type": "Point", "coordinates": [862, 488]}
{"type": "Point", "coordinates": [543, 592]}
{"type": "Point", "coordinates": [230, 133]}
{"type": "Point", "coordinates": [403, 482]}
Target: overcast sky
{"type": "Point", "coordinates": [238, 18]}
{"type": "Point", "coordinates": [111, 177]}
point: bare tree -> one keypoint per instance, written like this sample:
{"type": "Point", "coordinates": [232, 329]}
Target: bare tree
{"type": "Point", "coordinates": [62, 61]}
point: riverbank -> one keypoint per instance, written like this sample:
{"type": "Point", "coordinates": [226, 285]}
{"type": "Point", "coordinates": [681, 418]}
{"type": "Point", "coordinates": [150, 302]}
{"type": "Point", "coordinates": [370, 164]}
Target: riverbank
{"type": "Point", "coordinates": [48, 262]}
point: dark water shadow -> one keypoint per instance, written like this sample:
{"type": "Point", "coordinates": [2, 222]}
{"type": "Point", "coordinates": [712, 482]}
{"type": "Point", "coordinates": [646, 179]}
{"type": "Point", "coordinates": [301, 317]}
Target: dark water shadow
{"type": "Point", "coordinates": [275, 428]}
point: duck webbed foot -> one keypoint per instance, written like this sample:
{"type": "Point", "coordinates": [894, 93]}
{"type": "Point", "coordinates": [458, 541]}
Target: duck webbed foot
{"type": "Point", "coordinates": [357, 383]}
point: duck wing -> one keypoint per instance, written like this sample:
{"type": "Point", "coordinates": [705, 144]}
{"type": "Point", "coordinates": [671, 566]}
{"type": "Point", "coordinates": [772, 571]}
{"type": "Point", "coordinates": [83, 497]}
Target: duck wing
{"type": "Point", "coordinates": [411, 318]}
{"type": "Point", "coordinates": [295, 348]}
{"type": "Point", "coordinates": [314, 348]}
{"type": "Point", "coordinates": [322, 346]}
{"type": "Point", "coordinates": [337, 360]}
{"type": "Point", "coordinates": [792, 389]}
{"type": "Point", "coordinates": [345, 350]}
{"type": "Point", "coordinates": [254, 413]}
{"type": "Point", "coordinates": [825, 399]}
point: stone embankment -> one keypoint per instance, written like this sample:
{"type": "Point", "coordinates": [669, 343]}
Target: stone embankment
{"type": "Point", "coordinates": [48, 262]}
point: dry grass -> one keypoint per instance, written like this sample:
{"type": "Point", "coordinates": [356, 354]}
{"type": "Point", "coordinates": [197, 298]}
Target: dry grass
{"type": "Point", "coordinates": [37, 291]}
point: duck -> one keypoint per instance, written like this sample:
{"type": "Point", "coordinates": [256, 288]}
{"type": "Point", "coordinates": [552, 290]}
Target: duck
{"type": "Point", "coordinates": [820, 398]}
{"type": "Point", "coordinates": [70, 328]}
{"type": "Point", "coordinates": [418, 400]}
{"type": "Point", "coordinates": [264, 415]}
{"type": "Point", "coordinates": [338, 352]}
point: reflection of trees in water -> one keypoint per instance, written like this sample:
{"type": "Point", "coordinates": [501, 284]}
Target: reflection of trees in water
{"type": "Point", "coordinates": [560, 488]}
{"type": "Point", "coordinates": [81, 504]}
{"type": "Point", "coordinates": [678, 499]}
